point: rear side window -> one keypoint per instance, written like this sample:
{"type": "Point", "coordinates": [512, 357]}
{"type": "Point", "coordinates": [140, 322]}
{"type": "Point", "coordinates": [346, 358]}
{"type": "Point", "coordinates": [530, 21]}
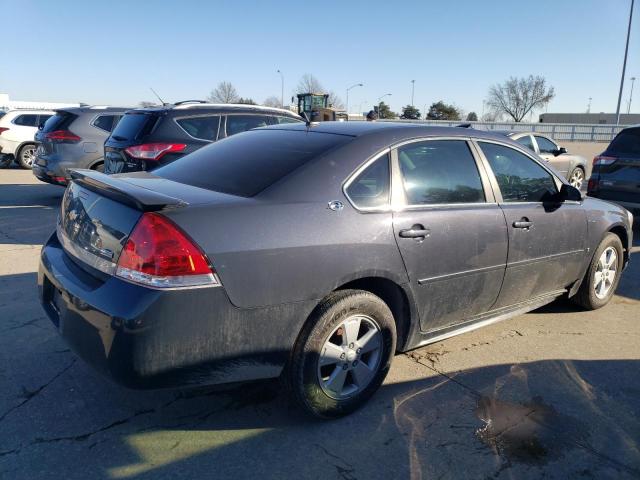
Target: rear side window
{"type": "Point", "coordinates": [248, 163]}
{"type": "Point", "coordinates": [519, 177]}
{"type": "Point", "coordinates": [370, 189]}
{"type": "Point", "coordinates": [133, 126]}
{"type": "Point", "coordinates": [242, 123]}
{"type": "Point", "coordinates": [104, 122]}
{"type": "Point", "coordinates": [526, 142]}
{"type": "Point", "coordinates": [626, 142]}
{"type": "Point", "coordinates": [204, 128]}
{"type": "Point", "coordinates": [59, 121]}
{"type": "Point", "coordinates": [440, 171]}
{"type": "Point", "coordinates": [26, 120]}
{"type": "Point", "coordinates": [283, 120]}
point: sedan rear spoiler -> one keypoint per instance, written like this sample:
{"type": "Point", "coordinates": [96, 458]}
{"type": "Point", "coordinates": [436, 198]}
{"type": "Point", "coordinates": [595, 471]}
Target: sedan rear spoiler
{"type": "Point", "coordinates": [120, 190]}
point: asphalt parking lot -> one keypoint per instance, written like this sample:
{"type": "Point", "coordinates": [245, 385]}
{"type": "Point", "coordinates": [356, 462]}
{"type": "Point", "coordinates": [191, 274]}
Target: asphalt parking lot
{"type": "Point", "coordinates": [554, 393]}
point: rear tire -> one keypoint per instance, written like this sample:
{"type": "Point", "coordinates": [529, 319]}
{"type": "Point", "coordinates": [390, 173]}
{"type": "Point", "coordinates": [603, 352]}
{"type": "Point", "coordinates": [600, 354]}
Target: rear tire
{"type": "Point", "coordinates": [99, 167]}
{"type": "Point", "coordinates": [27, 156]}
{"type": "Point", "coordinates": [603, 275]}
{"type": "Point", "coordinates": [343, 354]}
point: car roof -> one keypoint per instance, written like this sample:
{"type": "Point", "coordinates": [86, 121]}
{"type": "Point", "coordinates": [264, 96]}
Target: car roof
{"type": "Point", "coordinates": [216, 107]}
{"type": "Point", "coordinates": [388, 130]}
{"type": "Point", "coordinates": [94, 109]}
{"type": "Point", "coordinates": [33, 111]}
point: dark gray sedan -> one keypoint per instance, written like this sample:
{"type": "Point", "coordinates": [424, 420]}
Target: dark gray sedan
{"type": "Point", "coordinates": [317, 252]}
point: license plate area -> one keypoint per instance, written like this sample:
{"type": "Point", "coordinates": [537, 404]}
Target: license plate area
{"type": "Point", "coordinates": [53, 301]}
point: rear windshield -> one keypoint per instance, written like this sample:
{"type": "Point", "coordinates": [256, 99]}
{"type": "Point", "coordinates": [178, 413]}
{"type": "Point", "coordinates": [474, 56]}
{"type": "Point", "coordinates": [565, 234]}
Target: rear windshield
{"type": "Point", "coordinates": [249, 162]}
{"type": "Point", "coordinates": [60, 121]}
{"type": "Point", "coordinates": [133, 126]}
{"type": "Point", "coordinates": [627, 141]}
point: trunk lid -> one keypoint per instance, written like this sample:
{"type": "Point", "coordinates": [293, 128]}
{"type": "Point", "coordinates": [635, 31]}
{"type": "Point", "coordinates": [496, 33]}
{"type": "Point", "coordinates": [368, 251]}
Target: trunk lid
{"type": "Point", "coordinates": [99, 212]}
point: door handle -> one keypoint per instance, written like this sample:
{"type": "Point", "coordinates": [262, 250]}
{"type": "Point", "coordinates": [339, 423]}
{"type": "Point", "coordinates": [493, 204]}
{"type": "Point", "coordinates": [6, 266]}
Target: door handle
{"type": "Point", "coordinates": [523, 223]}
{"type": "Point", "coordinates": [416, 231]}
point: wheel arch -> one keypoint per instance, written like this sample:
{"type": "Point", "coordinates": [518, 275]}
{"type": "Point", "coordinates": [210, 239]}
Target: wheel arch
{"type": "Point", "coordinates": [398, 298]}
{"type": "Point", "coordinates": [621, 232]}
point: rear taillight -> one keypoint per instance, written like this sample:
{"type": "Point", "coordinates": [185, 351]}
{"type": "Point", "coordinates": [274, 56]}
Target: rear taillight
{"type": "Point", "coordinates": [159, 254]}
{"type": "Point", "coordinates": [3, 129]}
{"type": "Point", "coordinates": [602, 160]}
{"type": "Point", "coordinates": [154, 151]}
{"type": "Point", "coordinates": [62, 136]}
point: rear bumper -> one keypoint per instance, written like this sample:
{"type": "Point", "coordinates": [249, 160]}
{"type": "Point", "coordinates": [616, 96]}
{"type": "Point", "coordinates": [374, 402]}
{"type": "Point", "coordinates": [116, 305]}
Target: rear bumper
{"type": "Point", "coordinates": [144, 338]}
{"type": "Point", "coordinates": [45, 175]}
{"type": "Point", "coordinates": [8, 147]}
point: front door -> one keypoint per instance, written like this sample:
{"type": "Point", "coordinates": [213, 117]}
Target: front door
{"type": "Point", "coordinates": [450, 232]}
{"type": "Point", "coordinates": [546, 237]}
{"type": "Point", "coordinates": [548, 151]}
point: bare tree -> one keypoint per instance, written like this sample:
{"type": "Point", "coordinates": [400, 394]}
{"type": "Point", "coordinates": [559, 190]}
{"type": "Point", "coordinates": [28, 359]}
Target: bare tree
{"type": "Point", "coordinates": [334, 100]}
{"type": "Point", "coordinates": [309, 84]}
{"type": "Point", "coordinates": [518, 96]}
{"type": "Point", "coordinates": [225, 92]}
{"type": "Point", "coordinates": [272, 101]}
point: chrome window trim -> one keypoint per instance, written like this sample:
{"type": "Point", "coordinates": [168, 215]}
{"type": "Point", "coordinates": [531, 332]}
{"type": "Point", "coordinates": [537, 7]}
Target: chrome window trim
{"type": "Point", "coordinates": [203, 115]}
{"type": "Point", "coordinates": [358, 171]}
{"type": "Point", "coordinates": [401, 200]}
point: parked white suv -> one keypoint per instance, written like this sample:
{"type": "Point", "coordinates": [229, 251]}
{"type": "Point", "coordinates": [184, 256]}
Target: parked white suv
{"type": "Point", "coordinates": [17, 129]}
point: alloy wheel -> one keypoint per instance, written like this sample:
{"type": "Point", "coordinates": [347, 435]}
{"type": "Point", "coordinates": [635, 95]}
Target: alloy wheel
{"type": "Point", "coordinates": [577, 178]}
{"type": "Point", "coordinates": [350, 357]}
{"type": "Point", "coordinates": [28, 156]}
{"type": "Point", "coordinates": [606, 271]}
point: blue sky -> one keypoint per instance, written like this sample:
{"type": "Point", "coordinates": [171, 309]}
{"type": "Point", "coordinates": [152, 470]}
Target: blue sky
{"type": "Point", "coordinates": [111, 52]}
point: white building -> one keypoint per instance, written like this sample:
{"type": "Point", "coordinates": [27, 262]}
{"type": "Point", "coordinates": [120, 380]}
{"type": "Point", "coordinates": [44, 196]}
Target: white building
{"type": "Point", "coordinates": [7, 104]}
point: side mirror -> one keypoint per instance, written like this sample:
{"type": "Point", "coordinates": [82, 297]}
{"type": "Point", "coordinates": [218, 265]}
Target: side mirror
{"type": "Point", "coordinates": [570, 193]}
{"type": "Point", "coordinates": [560, 151]}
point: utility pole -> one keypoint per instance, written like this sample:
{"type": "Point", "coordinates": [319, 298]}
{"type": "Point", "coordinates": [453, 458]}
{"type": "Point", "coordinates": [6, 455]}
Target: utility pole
{"type": "Point", "coordinates": [413, 86]}
{"type": "Point", "coordinates": [633, 79]}
{"type": "Point", "coordinates": [281, 88]}
{"type": "Point", "coordinates": [624, 65]}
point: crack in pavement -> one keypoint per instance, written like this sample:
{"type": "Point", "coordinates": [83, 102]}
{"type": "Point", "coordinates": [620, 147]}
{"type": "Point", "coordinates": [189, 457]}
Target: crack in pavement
{"type": "Point", "coordinates": [347, 473]}
{"type": "Point", "coordinates": [31, 394]}
{"type": "Point", "coordinates": [25, 324]}
{"type": "Point", "coordinates": [615, 463]}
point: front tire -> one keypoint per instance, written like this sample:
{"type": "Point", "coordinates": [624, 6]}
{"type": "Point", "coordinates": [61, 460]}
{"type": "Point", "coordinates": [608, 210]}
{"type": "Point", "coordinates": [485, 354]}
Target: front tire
{"type": "Point", "coordinates": [603, 275]}
{"type": "Point", "coordinates": [576, 179]}
{"type": "Point", "coordinates": [343, 354]}
{"type": "Point", "coordinates": [27, 156]}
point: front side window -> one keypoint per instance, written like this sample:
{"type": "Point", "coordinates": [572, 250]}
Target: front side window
{"type": "Point", "coordinates": [242, 123]}
{"type": "Point", "coordinates": [545, 145]}
{"type": "Point", "coordinates": [204, 128]}
{"type": "Point", "coordinates": [104, 122]}
{"type": "Point", "coordinates": [440, 172]}
{"type": "Point", "coordinates": [370, 189]}
{"type": "Point", "coordinates": [520, 178]}
{"type": "Point", "coordinates": [526, 142]}
{"type": "Point", "coordinates": [26, 120]}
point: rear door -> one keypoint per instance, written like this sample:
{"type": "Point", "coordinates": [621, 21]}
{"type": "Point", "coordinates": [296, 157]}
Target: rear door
{"type": "Point", "coordinates": [546, 238]}
{"type": "Point", "coordinates": [449, 229]}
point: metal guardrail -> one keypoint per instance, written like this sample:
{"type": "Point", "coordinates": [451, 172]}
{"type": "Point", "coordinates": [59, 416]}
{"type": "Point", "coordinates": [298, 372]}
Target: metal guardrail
{"type": "Point", "coordinates": [558, 131]}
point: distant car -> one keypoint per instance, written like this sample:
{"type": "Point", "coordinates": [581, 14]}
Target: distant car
{"type": "Point", "coordinates": [148, 138]}
{"type": "Point", "coordinates": [17, 129]}
{"type": "Point", "coordinates": [316, 253]}
{"type": "Point", "coordinates": [73, 138]}
{"type": "Point", "coordinates": [616, 171]}
{"type": "Point", "coordinates": [572, 167]}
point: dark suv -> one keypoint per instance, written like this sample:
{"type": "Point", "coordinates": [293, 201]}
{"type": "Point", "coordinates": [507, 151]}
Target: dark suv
{"type": "Point", "coordinates": [73, 138]}
{"type": "Point", "coordinates": [148, 138]}
{"type": "Point", "coordinates": [616, 171]}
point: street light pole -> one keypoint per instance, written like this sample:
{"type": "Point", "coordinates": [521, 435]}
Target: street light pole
{"type": "Point", "coordinates": [349, 88]}
{"type": "Point", "coordinates": [281, 88]}
{"type": "Point", "coordinates": [380, 102]}
{"type": "Point", "coordinates": [589, 105]}
{"type": "Point", "coordinates": [633, 79]}
{"type": "Point", "coordinates": [624, 65]}
{"type": "Point", "coordinates": [413, 85]}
